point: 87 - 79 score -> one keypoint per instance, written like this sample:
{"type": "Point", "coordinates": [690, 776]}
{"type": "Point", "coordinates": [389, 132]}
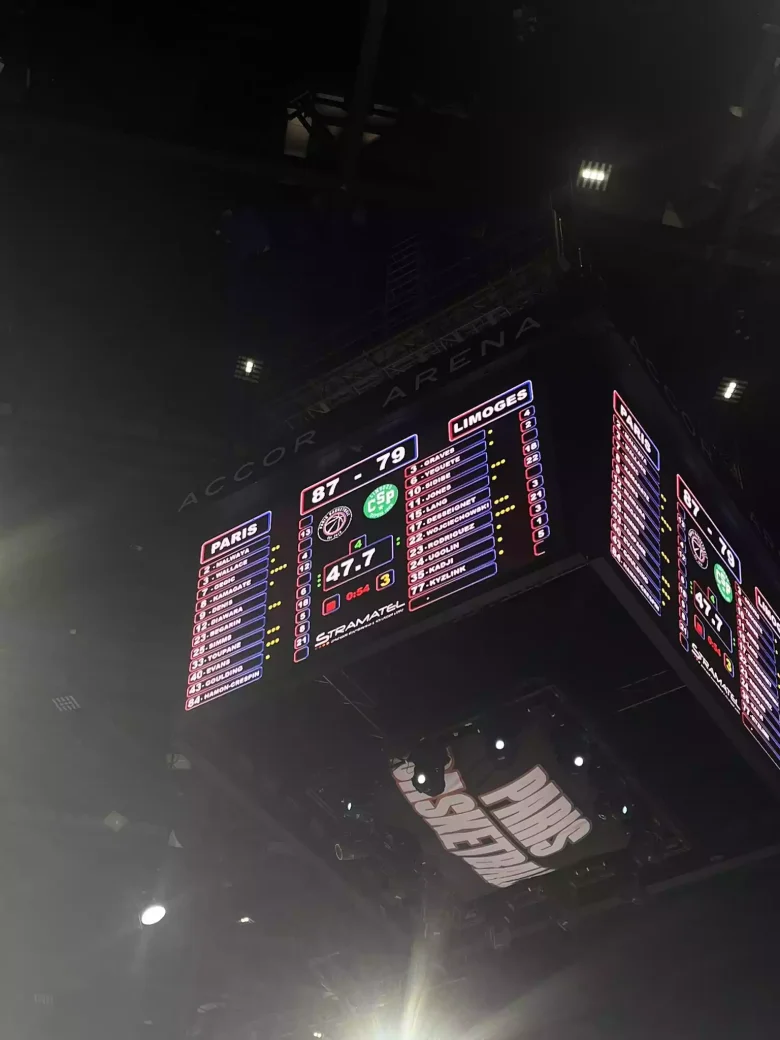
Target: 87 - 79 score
{"type": "Point", "coordinates": [359, 474]}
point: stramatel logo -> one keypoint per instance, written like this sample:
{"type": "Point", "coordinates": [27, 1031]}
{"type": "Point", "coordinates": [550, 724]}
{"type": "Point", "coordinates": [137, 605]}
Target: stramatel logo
{"type": "Point", "coordinates": [334, 635]}
{"type": "Point", "coordinates": [504, 835]}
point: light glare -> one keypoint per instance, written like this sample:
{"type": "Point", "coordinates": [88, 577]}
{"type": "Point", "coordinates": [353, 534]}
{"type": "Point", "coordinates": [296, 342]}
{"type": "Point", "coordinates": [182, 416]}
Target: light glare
{"type": "Point", "coordinates": [153, 914]}
{"type": "Point", "coordinates": [500, 744]}
{"type": "Point", "coordinates": [729, 391]}
{"type": "Point", "coordinates": [589, 174]}
{"type": "Point", "coordinates": [421, 778]}
{"type": "Point", "coordinates": [579, 761]}
{"type": "Point", "coordinates": [249, 365]}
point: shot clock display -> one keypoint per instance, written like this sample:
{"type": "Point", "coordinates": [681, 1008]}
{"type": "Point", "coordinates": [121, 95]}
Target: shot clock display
{"type": "Point", "coordinates": [667, 542]}
{"type": "Point", "coordinates": [419, 524]}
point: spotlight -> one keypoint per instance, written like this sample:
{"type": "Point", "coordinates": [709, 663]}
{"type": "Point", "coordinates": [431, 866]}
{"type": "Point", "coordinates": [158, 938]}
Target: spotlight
{"type": "Point", "coordinates": [594, 175]}
{"type": "Point", "coordinates": [430, 781]}
{"type": "Point", "coordinates": [152, 914]}
{"type": "Point", "coordinates": [730, 390]}
{"type": "Point", "coordinates": [248, 369]}
{"type": "Point", "coordinates": [499, 744]}
{"type": "Point", "coordinates": [429, 765]}
{"type": "Point", "coordinates": [579, 761]}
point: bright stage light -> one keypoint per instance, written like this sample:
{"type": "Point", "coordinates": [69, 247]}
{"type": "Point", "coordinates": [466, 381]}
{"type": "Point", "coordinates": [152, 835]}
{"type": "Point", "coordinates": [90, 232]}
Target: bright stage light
{"type": "Point", "coordinates": [594, 175]}
{"type": "Point", "coordinates": [499, 745]}
{"type": "Point", "coordinates": [579, 761]}
{"type": "Point", "coordinates": [731, 390]}
{"type": "Point", "coordinates": [153, 914]}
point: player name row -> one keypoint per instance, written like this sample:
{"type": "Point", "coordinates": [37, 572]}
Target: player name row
{"type": "Point", "coordinates": [651, 576]}
{"type": "Point", "coordinates": [626, 534]}
{"type": "Point", "coordinates": [622, 459]}
{"type": "Point", "coordinates": [647, 521]}
{"type": "Point", "coordinates": [250, 559]}
{"type": "Point", "coordinates": [623, 439]}
{"type": "Point", "coordinates": [416, 483]}
{"type": "Point", "coordinates": [637, 575]}
{"type": "Point", "coordinates": [764, 709]}
{"type": "Point", "coordinates": [242, 650]}
{"type": "Point", "coordinates": [249, 663]}
{"type": "Point", "coordinates": [475, 470]}
{"type": "Point", "coordinates": [245, 591]}
{"type": "Point", "coordinates": [210, 600]}
{"type": "Point", "coordinates": [750, 627]}
{"type": "Point", "coordinates": [630, 478]}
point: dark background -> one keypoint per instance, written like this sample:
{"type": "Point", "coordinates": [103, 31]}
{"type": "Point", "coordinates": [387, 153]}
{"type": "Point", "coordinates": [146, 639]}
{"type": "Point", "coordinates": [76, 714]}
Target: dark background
{"type": "Point", "coordinates": [127, 295]}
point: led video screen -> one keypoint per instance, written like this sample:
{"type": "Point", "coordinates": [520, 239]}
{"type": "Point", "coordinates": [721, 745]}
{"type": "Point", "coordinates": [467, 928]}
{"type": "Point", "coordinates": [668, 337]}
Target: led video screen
{"type": "Point", "coordinates": [453, 505]}
{"type": "Point", "coordinates": [670, 539]}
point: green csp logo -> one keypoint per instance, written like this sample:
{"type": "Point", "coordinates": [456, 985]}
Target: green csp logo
{"type": "Point", "coordinates": [723, 583]}
{"type": "Point", "coordinates": [380, 501]}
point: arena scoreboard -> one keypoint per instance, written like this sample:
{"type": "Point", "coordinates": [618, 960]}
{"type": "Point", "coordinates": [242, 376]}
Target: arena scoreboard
{"type": "Point", "coordinates": [556, 460]}
{"type": "Point", "coordinates": [439, 513]}
{"type": "Point", "coordinates": [682, 558]}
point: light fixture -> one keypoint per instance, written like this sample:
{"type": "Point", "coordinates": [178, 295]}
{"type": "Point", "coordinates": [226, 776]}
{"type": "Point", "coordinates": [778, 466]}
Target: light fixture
{"type": "Point", "coordinates": [594, 175]}
{"type": "Point", "coordinates": [730, 389]}
{"type": "Point", "coordinates": [349, 850]}
{"type": "Point", "coordinates": [499, 744]}
{"type": "Point", "coordinates": [317, 1035]}
{"type": "Point", "coordinates": [66, 703]}
{"type": "Point", "coordinates": [153, 914]}
{"type": "Point", "coordinates": [579, 761]}
{"type": "Point", "coordinates": [349, 806]}
{"type": "Point", "coordinates": [430, 762]}
{"type": "Point", "coordinates": [248, 369]}
{"type": "Point", "coordinates": [624, 810]}
{"type": "Point", "coordinates": [245, 920]}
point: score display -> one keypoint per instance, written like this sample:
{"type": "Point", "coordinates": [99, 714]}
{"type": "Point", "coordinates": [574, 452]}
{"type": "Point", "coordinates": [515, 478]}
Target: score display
{"type": "Point", "coordinates": [416, 526]}
{"type": "Point", "coordinates": [665, 540]}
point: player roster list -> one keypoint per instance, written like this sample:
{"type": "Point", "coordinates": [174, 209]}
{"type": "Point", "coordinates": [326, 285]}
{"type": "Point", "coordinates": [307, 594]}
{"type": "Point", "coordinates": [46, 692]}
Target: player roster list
{"type": "Point", "coordinates": [635, 541]}
{"type": "Point", "coordinates": [758, 632]}
{"type": "Point", "coordinates": [228, 633]}
{"type": "Point", "coordinates": [452, 509]}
